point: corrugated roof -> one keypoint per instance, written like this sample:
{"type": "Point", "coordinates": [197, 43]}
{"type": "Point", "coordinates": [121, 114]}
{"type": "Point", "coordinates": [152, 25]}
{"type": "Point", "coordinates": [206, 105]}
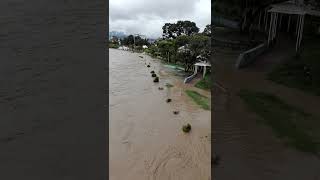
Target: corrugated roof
{"type": "Point", "coordinates": [290, 7]}
{"type": "Point", "coordinates": [202, 64]}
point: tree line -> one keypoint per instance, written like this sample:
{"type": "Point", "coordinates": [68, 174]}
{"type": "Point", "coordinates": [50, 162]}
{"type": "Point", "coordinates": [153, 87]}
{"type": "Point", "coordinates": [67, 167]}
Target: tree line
{"type": "Point", "coordinates": [182, 43]}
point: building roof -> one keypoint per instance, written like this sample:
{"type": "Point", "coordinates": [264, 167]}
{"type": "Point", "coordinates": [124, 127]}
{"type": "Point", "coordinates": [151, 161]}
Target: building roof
{"type": "Point", "coordinates": [202, 64]}
{"type": "Point", "coordinates": [290, 7]}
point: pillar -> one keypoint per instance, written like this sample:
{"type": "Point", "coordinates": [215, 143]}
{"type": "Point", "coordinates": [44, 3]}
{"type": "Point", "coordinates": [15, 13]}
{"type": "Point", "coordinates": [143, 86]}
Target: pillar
{"type": "Point", "coordinates": [195, 70]}
{"type": "Point", "coordinates": [204, 71]}
{"type": "Point", "coordinates": [289, 23]}
{"type": "Point", "coordinates": [271, 21]}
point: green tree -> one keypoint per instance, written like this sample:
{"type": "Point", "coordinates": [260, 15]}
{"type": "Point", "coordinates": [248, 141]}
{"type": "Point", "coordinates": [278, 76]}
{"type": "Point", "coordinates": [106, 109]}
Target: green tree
{"type": "Point", "coordinates": [207, 30]}
{"type": "Point", "coordinates": [167, 48]}
{"type": "Point", "coordinates": [173, 30]}
{"type": "Point", "coordinates": [127, 41]}
{"type": "Point", "coordinates": [140, 41]}
{"type": "Point", "coordinates": [182, 40]}
{"type": "Point", "coordinates": [199, 45]}
{"type": "Point", "coordinates": [185, 56]}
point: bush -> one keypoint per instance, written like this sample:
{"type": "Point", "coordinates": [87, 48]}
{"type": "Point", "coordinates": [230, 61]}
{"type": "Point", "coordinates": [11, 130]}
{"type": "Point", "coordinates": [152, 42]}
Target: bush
{"type": "Point", "coordinates": [156, 79]}
{"type": "Point", "coordinates": [153, 75]}
{"type": "Point", "coordinates": [186, 128]}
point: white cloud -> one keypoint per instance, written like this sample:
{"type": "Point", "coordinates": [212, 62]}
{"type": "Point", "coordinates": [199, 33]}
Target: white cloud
{"type": "Point", "coordinates": [148, 16]}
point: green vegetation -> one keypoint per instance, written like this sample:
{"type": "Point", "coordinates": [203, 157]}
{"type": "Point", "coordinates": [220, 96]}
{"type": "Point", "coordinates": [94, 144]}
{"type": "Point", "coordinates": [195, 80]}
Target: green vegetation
{"type": "Point", "coordinates": [297, 128]}
{"type": "Point", "coordinates": [193, 46]}
{"type": "Point", "coordinates": [201, 100]}
{"type": "Point", "coordinates": [113, 45]}
{"type": "Point", "coordinates": [186, 128]}
{"type": "Point", "coordinates": [134, 42]}
{"type": "Point", "coordinates": [205, 83]}
{"type": "Point", "coordinates": [176, 65]}
{"type": "Point", "coordinates": [301, 72]}
{"type": "Point", "coordinates": [156, 79]}
{"type": "Point", "coordinates": [172, 30]}
{"type": "Point", "coordinates": [182, 44]}
{"type": "Point", "coordinates": [168, 85]}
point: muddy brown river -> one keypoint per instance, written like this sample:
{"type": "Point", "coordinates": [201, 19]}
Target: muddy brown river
{"type": "Point", "coordinates": [145, 138]}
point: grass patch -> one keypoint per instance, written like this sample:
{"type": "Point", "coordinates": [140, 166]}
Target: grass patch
{"type": "Point", "coordinates": [201, 100]}
{"type": "Point", "coordinates": [168, 85]}
{"type": "Point", "coordinates": [114, 46]}
{"type": "Point", "coordinates": [205, 83]}
{"type": "Point", "coordinates": [174, 65]}
{"type": "Point", "coordinates": [289, 123]}
{"type": "Point", "coordinates": [301, 72]}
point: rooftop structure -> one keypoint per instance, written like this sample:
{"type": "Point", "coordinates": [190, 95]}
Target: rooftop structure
{"type": "Point", "coordinates": [290, 8]}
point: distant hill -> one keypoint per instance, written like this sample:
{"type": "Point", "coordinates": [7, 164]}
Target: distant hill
{"type": "Point", "coordinates": [117, 34]}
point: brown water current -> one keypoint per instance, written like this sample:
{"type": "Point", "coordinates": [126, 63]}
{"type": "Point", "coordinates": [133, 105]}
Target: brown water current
{"type": "Point", "coordinates": [145, 138]}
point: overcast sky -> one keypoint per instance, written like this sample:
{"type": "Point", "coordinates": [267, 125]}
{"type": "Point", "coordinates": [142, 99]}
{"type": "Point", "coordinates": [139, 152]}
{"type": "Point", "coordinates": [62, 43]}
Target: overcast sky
{"type": "Point", "coordinates": [148, 16]}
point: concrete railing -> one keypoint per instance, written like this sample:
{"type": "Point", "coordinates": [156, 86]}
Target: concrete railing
{"type": "Point", "coordinates": [188, 79]}
{"type": "Point", "coordinates": [248, 57]}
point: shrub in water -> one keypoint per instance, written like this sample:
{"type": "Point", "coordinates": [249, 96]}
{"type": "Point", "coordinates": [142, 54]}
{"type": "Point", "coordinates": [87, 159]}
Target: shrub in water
{"type": "Point", "coordinates": [186, 128]}
{"type": "Point", "coordinates": [156, 79]}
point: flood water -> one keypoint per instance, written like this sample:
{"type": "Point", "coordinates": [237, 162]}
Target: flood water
{"type": "Point", "coordinates": [145, 137]}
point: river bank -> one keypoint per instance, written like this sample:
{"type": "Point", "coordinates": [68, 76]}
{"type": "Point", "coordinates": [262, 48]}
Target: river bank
{"type": "Point", "coordinates": [146, 140]}
{"type": "Point", "coordinates": [249, 148]}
